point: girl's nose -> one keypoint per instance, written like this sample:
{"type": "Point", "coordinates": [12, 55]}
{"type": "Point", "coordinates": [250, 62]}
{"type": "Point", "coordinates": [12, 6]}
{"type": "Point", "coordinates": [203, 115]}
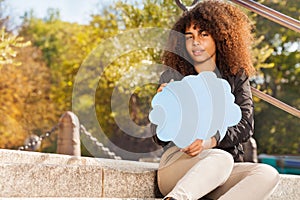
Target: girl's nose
{"type": "Point", "coordinates": [196, 42]}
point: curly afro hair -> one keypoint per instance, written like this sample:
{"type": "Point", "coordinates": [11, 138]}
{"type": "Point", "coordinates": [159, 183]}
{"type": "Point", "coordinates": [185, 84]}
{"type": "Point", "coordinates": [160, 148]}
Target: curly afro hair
{"type": "Point", "coordinates": [229, 27]}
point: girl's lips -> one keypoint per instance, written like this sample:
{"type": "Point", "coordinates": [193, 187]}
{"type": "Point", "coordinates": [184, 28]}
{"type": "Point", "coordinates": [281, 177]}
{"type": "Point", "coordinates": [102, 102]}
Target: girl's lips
{"type": "Point", "coordinates": [198, 52]}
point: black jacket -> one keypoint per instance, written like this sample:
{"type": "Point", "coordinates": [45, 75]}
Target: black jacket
{"type": "Point", "coordinates": [236, 135]}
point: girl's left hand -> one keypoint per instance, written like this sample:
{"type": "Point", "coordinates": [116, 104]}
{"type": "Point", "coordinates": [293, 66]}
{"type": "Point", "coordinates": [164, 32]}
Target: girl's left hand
{"type": "Point", "coordinates": [194, 149]}
{"type": "Point", "coordinates": [199, 145]}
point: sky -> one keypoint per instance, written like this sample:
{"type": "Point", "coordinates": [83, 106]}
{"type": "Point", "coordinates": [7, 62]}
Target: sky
{"type": "Point", "coordinates": [70, 10]}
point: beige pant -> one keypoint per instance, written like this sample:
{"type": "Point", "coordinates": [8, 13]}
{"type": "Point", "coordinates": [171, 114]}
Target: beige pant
{"type": "Point", "coordinates": [214, 174]}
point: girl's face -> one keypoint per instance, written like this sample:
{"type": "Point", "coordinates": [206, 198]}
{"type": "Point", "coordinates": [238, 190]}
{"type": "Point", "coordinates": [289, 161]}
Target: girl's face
{"type": "Point", "coordinates": [200, 46]}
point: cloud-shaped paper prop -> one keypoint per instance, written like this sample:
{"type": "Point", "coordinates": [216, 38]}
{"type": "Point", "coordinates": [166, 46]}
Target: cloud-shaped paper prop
{"type": "Point", "coordinates": [194, 108]}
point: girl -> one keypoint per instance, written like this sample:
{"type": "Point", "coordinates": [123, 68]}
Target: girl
{"type": "Point", "coordinates": [214, 36]}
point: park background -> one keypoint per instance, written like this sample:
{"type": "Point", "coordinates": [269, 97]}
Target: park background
{"type": "Point", "coordinates": [40, 58]}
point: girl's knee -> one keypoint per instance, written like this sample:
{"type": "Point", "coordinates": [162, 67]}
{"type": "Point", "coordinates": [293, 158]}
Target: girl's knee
{"type": "Point", "coordinates": [269, 173]}
{"type": "Point", "coordinates": [225, 158]}
{"type": "Point", "coordinates": [223, 162]}
{"type": "Point", "coordinates": [226, 163]}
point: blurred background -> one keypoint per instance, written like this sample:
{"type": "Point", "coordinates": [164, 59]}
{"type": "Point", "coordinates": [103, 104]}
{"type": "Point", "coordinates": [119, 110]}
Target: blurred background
{"type": "Point", "coordinates": [44, 43]}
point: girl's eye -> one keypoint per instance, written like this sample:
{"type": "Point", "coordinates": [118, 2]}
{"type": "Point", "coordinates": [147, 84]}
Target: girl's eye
{"type": "Point", "coordinates": [204, 34]}
{"type": "Point", "coordinates": [188, 37]}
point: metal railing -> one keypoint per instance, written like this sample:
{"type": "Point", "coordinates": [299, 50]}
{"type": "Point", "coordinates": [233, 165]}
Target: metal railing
{"type": "Point", "coordinates": [270, 14]}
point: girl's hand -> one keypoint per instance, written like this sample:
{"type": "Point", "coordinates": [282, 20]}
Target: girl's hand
{"type": "Point", "coordinates": [194, 149]}
{"type": "Point", "coordinates": [199, 145]}
{"type": "Point", "coordinates": [161, 87]}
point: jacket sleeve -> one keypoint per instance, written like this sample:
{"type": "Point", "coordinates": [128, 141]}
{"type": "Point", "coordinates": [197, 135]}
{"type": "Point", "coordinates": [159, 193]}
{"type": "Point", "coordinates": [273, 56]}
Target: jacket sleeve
{"type": "Point", "coordinates": [240, 133]}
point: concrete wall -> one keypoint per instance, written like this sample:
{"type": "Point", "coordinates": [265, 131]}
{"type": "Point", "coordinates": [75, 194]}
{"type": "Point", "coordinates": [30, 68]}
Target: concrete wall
{"type": "Point", "coordinates": [32, 174]}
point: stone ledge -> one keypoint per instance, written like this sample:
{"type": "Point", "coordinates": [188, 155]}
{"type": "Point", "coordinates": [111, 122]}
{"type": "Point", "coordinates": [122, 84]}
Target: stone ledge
{"type": "Point", "coordinates": [33, 174]}
{"type": "Point", "coordinates": [14, 156]}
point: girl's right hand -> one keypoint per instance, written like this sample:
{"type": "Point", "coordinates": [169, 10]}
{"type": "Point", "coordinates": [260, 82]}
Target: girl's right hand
{"type": "Point", "coordinates": [161, 87]}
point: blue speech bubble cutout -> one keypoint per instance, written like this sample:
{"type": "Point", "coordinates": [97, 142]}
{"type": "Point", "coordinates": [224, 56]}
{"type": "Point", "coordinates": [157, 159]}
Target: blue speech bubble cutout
{"type": "Point", "coordinates": [194, 108]}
